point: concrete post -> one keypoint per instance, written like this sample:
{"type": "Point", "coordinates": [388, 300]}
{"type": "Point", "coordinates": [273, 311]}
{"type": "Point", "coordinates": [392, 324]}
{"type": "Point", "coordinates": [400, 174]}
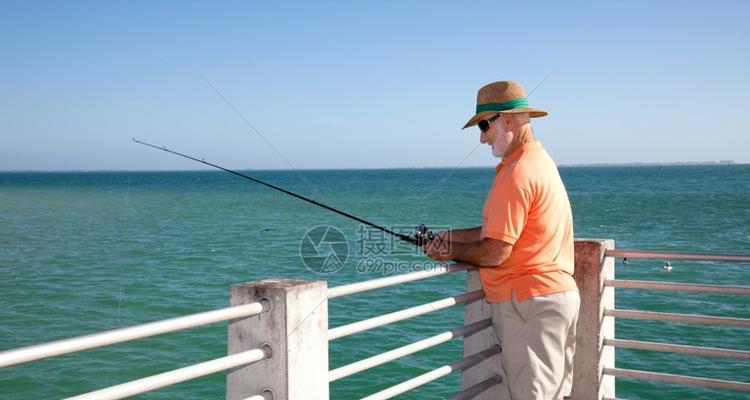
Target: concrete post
{"type": "Point", "coordinates": [473, 312]}
{"type": "Point", "coordinates": [591, 269]}
{"type": "Point", "coordinates": [295, 328]}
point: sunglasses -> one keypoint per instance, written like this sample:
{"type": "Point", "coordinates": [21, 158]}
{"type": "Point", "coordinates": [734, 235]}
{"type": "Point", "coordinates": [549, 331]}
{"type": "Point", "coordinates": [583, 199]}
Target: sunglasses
{"type": "Point", "coordinates": [484, 125]}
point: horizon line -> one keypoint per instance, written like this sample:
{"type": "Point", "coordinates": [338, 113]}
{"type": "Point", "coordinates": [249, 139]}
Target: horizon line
{"type": "Point", "coordinates": [576, 165]}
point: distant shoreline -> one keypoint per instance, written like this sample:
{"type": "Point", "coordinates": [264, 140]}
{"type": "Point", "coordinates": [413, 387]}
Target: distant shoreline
{"type": "Point", "coordinates": [655, 164]}
{"type": "Point", "coordinates": [632, 164]}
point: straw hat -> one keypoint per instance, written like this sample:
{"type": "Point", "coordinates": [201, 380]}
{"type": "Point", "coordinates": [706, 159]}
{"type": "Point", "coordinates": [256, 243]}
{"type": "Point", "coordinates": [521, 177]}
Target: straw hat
{"type": "Point", "coordinates": [503, 96]}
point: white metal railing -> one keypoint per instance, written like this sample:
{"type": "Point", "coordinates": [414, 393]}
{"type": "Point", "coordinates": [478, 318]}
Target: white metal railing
{"type": "Point", "coordinates": [303, 301]}
{"type": "Point", "coordinates": [677, 348]}
{"type": "Point", "coordinates": [436, 373]}
{"type": "Point", "coordinates": [676, 317]}
{"type": "Point", "coordinates": [292, 332]}
{"type": "Point", "coordinates": [674, 255]}
{"type": "Point", "coordinates": [91, 341]}
{"type": "Point", "coordinates": [367, 324]}
{"type": "Point", "coordinates": [365, 286]}
{"type": "Point", "coordinates": [374, 361]}
{"type": "Point", "coordinates": [247, 357]}
{"type": "Point", "coordinates": [687, 380]}
{"type": "Point", "coordinates": [176, 376]}
{"type": "Point", "coordinates": [364, 325]}
{"type": "Point", "coordinates": [677, 287]}
{"type": "Point", "coordinates": [73, 345]}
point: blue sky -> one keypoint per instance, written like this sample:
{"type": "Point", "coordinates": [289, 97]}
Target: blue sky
{"type": "Point", "coordinates": [366, 85]}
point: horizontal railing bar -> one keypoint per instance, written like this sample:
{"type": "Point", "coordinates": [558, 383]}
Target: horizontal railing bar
{"type": "Point", "coordinates": [364, 286]}
{"type": "Point", "coordinates": [680, 287]}
{"type": "Point", "coordinates": [677, 348]}
{"type": "Point", "coordinates": [473, 391]}
{"type": "Point", "coordinates": [436, 373]}
{"type": "Point", "coordinates": [374, 361]}
{"type": "Point", "coordinates": [410, 384]}
{"type": "Point", "coordinates": [94, 340]}
{"type": "Point", "coordinates": [687, 318]}
{"type": "Point", "coordinates": [687, 380]}
{"type": "Point", "coordinates": [474, 359]}
{"type": "Point", "coordinates": [674, 255]}
{"type": "Point", "coordinates": [176, 376]}
{"type": "Point", "coordinates": [367, 324]}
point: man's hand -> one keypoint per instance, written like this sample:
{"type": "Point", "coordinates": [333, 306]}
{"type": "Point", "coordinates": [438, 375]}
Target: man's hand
{"type": "Point", "coordinates": [483, 253]}
{"type": "Point", "coordinates": [442, 236]}
{"type": "Point", "coordinates": [439, 249]}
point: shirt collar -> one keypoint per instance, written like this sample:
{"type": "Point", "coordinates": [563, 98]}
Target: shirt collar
{"type": "Point", "coordinates": [516, 154]}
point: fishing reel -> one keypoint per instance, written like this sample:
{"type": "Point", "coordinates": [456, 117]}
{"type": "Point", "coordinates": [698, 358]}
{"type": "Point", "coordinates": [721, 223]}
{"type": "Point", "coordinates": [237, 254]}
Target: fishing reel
{"type": "Point", "coordinates": [422, 235]}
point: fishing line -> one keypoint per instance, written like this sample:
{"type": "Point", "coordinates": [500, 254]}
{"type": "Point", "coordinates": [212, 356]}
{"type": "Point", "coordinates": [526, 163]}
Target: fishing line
{"type": "Point", "coordinates": [421, 235]}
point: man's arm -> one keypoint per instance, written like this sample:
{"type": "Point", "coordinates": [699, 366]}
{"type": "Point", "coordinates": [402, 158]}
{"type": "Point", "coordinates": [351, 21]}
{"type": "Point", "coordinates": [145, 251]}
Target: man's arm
{"type": "Point", "coordinates": [485, 252]}
{"type": "Point", "coordinates": [465, 235]}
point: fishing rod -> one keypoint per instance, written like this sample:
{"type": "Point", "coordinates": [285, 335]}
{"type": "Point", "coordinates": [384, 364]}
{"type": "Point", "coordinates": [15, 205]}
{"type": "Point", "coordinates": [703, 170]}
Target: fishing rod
{"type": "Point", "coordinates": [421, 235]}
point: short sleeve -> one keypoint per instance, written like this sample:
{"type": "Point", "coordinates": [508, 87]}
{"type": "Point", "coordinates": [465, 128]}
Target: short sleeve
{"type": "Point", "coordinates": [505, 212]}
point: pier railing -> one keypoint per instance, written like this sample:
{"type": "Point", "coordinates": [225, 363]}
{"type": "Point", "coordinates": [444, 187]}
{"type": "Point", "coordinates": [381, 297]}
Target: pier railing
{"type": "Point", "coordinates": [612, 312]}
{"type": "Point", "coordinates": [81, 343]}
{"type": "Point", "coordinates": [278, 335]}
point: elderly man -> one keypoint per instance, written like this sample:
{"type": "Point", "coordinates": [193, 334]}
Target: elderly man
{"type": "Point", "coordinates": [524, 249]}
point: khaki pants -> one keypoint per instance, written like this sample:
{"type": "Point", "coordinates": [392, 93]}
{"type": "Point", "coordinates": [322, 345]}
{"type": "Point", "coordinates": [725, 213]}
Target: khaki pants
{"type": "Point", "coordinates": [538, 340]}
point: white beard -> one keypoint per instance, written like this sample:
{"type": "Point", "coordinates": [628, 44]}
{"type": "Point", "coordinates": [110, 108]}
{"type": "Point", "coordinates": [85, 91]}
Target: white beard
{"type": "Point", "coordinates": [495, 152]}
{"type": "Point", "coordinates": [496, 148]}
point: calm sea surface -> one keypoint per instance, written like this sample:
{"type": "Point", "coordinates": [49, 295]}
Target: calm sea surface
{"type": "Point", "coordinates": [85, 252]}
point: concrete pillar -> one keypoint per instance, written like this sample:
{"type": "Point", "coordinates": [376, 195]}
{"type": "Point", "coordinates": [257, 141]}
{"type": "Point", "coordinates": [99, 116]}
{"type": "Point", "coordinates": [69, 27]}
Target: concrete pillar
{"type": "Point", "coordinates": [295, 328]}
{"type": "Point", "coordinates": [473, 312]}
{"type": "Point", "coordinates": [591, 269]}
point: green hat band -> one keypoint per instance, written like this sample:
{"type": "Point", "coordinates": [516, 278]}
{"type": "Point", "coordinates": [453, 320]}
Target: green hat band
{"type": "Point", "coordinates": [508, 105]}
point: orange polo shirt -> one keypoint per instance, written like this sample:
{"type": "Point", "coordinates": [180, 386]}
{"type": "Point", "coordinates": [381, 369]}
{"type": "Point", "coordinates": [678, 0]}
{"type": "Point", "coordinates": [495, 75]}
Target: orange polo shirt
{"type": "Point", "coordinates": [528, 208]}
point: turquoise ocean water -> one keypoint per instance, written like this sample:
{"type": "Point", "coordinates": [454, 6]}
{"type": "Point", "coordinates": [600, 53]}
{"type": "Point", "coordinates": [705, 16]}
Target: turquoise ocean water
{"type": "Point", "coordinates": [85, 252]}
